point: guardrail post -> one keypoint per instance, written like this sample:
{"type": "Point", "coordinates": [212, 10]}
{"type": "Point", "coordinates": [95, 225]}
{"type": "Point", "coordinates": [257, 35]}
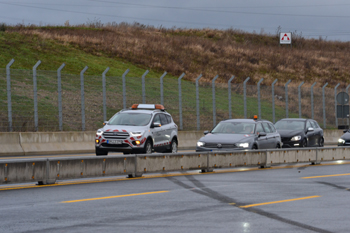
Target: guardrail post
{"type": "Point", "coordinates": [273, 100]}
{"type": "Point", "coordinates": [245, 96]}
{"type": "Point", "coordinates": [229, 96]}
{"type": "Point", "coordinates": [161, 89]}
{"type": "Point", "coordinates": [347, 92]}
{"type": "Point", "coordinates": [59, 90]}
{"type": "Point", "coordinates": [299, 98]}
{"type": "Point", "coordinates": [180, 99]}
{"type": "Point", "coordinates": [286, 90]}
{"type": "Point", "coordinates": [82, 98]}
{"type": "Point", "coordinates": [124, 88]}
{"type": "Point", "coordinates": [197, 101]}
{"type": "Point", "coordinates": [104, 94]}
{"type": "Point", "coordinates": [35, 96]}
{"type": "Point", "coordinates": [267, 157]}
{"type": "Point", "coordinates": [324, 106]}
{"type": "Point", "coordinates": [9, 103]}
{"type": "Point", "coordinates": [259, 102]}
{"type": "Point", "coordinates": [214, 106]}
{"type": "Point", "coordinates": [144, 87]}
{"type": "Point", "coordinates": [335, 104]}
{"type": "Point", "coordinates": [312, 100]}
{"type": "Point", "coordinates": [317, 161]}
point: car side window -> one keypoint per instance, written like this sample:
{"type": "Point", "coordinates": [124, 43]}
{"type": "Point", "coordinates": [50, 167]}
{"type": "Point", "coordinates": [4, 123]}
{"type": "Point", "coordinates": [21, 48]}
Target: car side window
{"type": "Point", "coordinates": [266, 127]}
{"type": "Point", "coordinates": [157, 119]}
{"type": "Point", "coordinates": [314, 124]}
{"type": "Point", "coordinates": [259, 128]}
{"type": "Point", "coordinates": [308, 125]}
{"type": "Point", "coordinates": [163, 119]}
{"type": "Point", "coordinates": [169, 118]}
{"type": "Point", "coordinates": [272, 128]}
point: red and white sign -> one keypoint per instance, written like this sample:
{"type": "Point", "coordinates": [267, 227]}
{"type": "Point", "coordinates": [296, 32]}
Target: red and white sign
{"type": "Point", "coordinates": [285, 38]}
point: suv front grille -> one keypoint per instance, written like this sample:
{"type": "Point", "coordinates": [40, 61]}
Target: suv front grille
{"type": "Point", "coordinates": [115, 135]}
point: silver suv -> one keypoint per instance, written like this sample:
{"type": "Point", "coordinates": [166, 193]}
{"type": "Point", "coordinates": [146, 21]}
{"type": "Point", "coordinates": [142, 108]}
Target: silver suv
{"type": "Point", "coordinates": [141, 129]}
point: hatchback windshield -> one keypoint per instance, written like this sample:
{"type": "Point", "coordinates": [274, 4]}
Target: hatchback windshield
{"type": "Point", "coordinates": [290, 125]}
{"type": "Point", "coordinates": [136, 119]}
{"type": "Point", "coordinates": [234, 128]}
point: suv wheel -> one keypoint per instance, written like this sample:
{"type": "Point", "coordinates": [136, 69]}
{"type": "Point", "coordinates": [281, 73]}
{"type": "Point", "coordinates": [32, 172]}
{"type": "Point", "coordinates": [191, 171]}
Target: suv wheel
{"type": "Point", "coordinates": [100, 152]}
{"type": "Point", "coordinates": [173, 146]}
{"type": "Point", "coordinates": [148, 147]}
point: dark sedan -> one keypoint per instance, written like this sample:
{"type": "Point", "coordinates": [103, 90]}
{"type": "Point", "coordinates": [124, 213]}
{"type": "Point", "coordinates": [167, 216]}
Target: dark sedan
{"type": "Point", "coordinates": [240, 134]}
{"type": "Point", "coordinates": [344, 140]}
{"type": "Point", "coordinates": [298, 132]}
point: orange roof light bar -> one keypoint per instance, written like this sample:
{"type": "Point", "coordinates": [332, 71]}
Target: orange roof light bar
{"type": "Point", "coordinates": [159, 106]}
{"type": "Point", "coordinates": [255, 117]}
{"type": "Point", "coordinates": [134, 106]}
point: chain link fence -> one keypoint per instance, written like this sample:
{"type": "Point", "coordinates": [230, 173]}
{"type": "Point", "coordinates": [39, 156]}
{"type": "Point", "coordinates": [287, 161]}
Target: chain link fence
{"type": "Point", "coordinates": [64, 102]}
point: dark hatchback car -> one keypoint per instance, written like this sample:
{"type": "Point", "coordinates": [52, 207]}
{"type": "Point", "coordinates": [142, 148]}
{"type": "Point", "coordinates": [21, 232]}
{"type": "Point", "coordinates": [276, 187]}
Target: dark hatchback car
{"type": "Point", "coordinates": [344, 140]}
{"type": "Point", "coordinates": [299, 132]}
{"type": "Point", "coordinates": [240, 134]}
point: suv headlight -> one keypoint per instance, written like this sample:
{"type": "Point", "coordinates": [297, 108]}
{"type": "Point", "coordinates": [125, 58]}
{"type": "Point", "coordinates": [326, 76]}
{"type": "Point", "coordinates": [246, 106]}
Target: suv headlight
{"type": "Point", "coordinates": [242, 145]}
{"type": "Point", "coordinates": [200, 144]}
{"type": "Point", "coordinates": [99, 132]}
{"type": "Point", "coordinates": [136, 133]}
{"type": "Point", "coordinates": [342, 141]}
{"type": "Point", "coordinates": [296, 138]}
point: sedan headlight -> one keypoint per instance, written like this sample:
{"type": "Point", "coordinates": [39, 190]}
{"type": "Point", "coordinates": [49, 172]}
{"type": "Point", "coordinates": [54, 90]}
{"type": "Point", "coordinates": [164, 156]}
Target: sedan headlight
{"type": "Point", "coordinates": [342, 141]}
{"type": "Point", "coordinates": [99, 132]}
{"type": "Point", "coordinates": [296, 138]}
{"type": "Point", "coordinates": [200, 144]}
{"type": "Point", "coordinates": [136, 134]}
{"type": "Point", "coordinates": [242, 145]}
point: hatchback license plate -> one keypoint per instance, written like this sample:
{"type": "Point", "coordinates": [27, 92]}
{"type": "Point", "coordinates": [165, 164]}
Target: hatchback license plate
{"type": "Point", "coordinates": [114, 141]}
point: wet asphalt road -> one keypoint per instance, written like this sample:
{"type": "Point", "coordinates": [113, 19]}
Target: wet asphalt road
{"type": "Point", "coordinates": [291, 198]}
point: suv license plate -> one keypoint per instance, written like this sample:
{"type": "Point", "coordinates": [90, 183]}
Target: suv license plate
{"type": "Point", "coordinates": [114, 141]}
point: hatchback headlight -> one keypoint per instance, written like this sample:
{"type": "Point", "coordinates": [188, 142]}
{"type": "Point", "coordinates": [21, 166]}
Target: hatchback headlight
{"type": "Point", "coordinates": [99, 132]}
{"type": "Point", "coordinates": [136, 134]}
{"type": "Point", "coordinates": [342, 141]}
{"type": "Point", "coordinates": [296, 138]}
{"type": "Point", "coordinates": [242, 145]}
{"type": "Point", "coordinates": [200, 144]}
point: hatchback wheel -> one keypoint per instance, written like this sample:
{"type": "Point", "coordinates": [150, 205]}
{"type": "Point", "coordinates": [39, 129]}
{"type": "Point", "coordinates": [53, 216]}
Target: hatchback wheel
{"type": "Point", "coordinates": [255, 147]}
{"type": "Point", "coordinates": [321, 142]}
{"type": "Point", "coordinates": [304, 143]}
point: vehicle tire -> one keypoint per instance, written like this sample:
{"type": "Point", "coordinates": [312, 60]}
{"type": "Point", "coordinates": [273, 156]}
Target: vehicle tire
{"type": "Point", "coordinates": [278, 146]}
{"type": "Point", "coordinates": [304, 144]}
{"type": "Point", "coordinates": [100, 152]}
{"type": "Point", "coordinates": [148, 147]}
{"type": "Point", "coordinates": [173, 146]}
{"type": "Point", "coordinates": [321, 142]}
{"type": "Point", "coordinates": [254, 147]}
{"type": "Point", "coordinates": [126, 153]}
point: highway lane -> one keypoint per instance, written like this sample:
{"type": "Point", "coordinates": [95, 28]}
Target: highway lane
{"type": "Point", "coordinates": [288, 198]}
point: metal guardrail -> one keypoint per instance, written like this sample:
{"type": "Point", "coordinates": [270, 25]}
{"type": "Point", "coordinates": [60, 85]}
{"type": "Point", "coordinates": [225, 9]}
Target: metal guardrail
{"type": "Point", "coordinates": [49, 170]}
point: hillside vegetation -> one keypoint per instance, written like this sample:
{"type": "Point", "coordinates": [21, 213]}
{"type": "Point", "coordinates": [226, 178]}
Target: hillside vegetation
{"type": "Point", "coordinates": [193, 51]}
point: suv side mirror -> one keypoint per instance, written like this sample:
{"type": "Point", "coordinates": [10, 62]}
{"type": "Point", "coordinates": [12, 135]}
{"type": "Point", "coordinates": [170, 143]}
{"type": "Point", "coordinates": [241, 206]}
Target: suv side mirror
{"type": "Point", "coordinates": [206, 132]}
{"type": "Point", "coordinates": [105, 123]}
{"type": "Point", "coordinates": [155, 125]}
{"type": "Point", "coordinates": [262, 134]}
{"type": "Point", "coordinates": [310, 129]}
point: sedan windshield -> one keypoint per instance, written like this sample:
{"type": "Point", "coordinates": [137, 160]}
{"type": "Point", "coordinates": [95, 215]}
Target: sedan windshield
{"type": "Point", "coordinates": [234, 128]}
{"type": "Point", "coordinates": [290, 125]}
{"type": "Point", "coordinates": [136, 119]}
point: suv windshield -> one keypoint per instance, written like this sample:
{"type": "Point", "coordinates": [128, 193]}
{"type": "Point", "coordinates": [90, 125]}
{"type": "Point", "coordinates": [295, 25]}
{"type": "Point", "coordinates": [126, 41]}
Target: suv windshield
{"type": "Point", "coordinates": [234, 127]}
{"type": "Point", "coordinates": [128, 118]}
{"type": "Point", "coordinates": [290, 125]}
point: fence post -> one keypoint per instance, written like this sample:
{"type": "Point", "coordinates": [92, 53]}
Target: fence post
{"type": "Point", "coordinates": [82, 98]}
{"type": "Point", "coordinates": [259, 103]}
{"type": "Point", "coordinates": [299, 98]}
{"type": "Point", "coordinates": [245, 96]}
{"type": "Point", "coordinates": [35, 96]}
{"type": "Point", "coordinates": [197, 101]}
{"type": "Point", "coordinates": [59, 90]}
{"type": "Point", "coordinates": [9, 103]}
{"type": "Point", "coordinates": [143, 87]}
{"type": "Point", "coordinates": [214, 107]}
{"type": "Point", "coordinates": [312, 100]}
{"type": "Point", "coordinates": [104, 94]}
{"type": "Point", "coordinates": [347, 92]}
{"type": "Point", "coordinates": [229, 96]}
{"type": "Point", "coordinates": [161, 88]}
{"type": "Point", "coordinates": [335, 104]}
{"type": "Point", "coordinates": [273, 100]}
{"type": "Point", "coordinates": [124, 88]}
{"type": "Point", "coordinates": [180, 99]}
{"type": "Point", "coordinates": [286, 90]}
{"type": "Point", "coordinates": [324, 106]}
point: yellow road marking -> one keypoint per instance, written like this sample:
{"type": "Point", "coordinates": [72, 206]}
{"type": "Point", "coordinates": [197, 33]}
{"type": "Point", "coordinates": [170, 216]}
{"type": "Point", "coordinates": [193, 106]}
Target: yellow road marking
{"type": "Point", "coordinates": [274, 202]}
{"type": "Point", "coordinates": [313, 177]}
{"type": "Point", "coordinates": [102, 198]}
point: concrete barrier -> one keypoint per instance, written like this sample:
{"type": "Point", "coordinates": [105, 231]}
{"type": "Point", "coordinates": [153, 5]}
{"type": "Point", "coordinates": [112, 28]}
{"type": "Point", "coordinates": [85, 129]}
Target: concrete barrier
{"type": "Point", "coordinates": [48, 170]}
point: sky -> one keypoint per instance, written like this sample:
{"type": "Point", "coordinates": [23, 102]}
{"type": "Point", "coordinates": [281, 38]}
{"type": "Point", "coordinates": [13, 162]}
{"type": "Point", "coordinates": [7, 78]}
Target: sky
{"type": "Point", "coordinates": [324, 19]}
